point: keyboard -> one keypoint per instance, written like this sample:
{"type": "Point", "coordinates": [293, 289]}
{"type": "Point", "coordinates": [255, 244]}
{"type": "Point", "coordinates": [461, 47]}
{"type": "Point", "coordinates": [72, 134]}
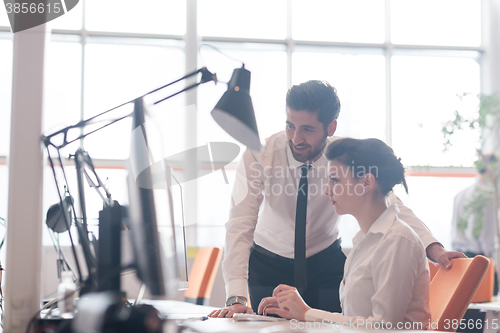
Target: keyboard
{"type": "Point", "coordinates": [254, 317]}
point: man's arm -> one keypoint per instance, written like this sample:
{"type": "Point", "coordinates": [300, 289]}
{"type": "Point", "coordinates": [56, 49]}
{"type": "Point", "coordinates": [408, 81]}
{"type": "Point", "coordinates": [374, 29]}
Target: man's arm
{"type": "Point", "coordinates": [434, 249]}
{"type": "Point", "coordinates": [245, 204]}
{"type": "Point", "coordinates": [436, 252]}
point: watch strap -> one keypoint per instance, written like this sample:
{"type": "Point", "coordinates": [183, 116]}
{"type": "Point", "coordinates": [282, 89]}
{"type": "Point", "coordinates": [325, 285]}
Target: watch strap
{"type": "Point", "coordinates": [236, 300]}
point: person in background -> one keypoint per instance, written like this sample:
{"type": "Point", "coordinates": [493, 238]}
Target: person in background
{"type": "Point", "coordinates": [473, 223]}
{"type": "Point", "coordinates": [386, 277]}
{"type": "Point", "coordinates": [281, 229]}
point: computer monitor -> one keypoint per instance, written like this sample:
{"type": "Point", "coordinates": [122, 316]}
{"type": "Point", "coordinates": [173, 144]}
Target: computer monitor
{"type": "Point", "coordinates": [179, 229]}
{"type": "Point", "coordinates": [158, 244]}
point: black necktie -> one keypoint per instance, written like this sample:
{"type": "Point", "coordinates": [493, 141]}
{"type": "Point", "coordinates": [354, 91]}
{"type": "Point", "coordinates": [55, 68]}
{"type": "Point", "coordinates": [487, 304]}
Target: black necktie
{"type": "Point", "coordinates": [300, 231]}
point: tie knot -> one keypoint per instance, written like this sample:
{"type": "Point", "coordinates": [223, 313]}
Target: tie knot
{"type": "Point", "coordinates": [304, 169]}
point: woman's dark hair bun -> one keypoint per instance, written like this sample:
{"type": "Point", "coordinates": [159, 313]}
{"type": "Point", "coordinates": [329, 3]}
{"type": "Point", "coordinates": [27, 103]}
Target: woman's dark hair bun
{"type": "Point", "coordinates": [369, 156]}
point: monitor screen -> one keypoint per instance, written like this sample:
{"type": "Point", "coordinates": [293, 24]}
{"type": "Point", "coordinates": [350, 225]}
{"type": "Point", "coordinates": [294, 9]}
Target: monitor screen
{"type": "Point", "coordinates": [158, 244]}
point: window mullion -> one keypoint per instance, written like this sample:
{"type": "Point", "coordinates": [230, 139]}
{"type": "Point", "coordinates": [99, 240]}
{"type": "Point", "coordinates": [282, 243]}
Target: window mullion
{"type": "Point", "coordinates": [388, 79]}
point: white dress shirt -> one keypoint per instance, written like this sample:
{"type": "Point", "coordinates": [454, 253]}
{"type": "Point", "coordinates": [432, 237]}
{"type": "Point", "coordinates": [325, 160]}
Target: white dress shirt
{"type": "Point", "coordinates": [465, 241]}
{"type": "Point", "coordinates": [386, 278]}
{"type": "Point", "coordinates": [264, 200]}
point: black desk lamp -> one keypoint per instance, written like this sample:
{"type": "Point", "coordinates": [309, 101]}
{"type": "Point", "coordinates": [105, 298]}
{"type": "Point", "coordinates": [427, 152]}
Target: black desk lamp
{"type": "Point", "coordinates": [234, 111]}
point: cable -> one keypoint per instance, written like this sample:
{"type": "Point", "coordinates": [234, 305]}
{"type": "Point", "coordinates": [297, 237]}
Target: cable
{"type": "Point", "coordinates": [60, 252]}
{"type": "Point", "coordinates": [218, 50]}
{"type": "Point", "coordinates": [48, 304]}
{"type": "Point", "coordinates": [5, 234]}
{"type": "Point", "coordinates": [50, 294]}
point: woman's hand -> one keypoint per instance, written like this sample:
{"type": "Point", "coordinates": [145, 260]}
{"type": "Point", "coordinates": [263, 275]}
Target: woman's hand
{"type": "Point", "coordinates": [269, 305]}
{"type": "Point", "coordinates": [286, 302]}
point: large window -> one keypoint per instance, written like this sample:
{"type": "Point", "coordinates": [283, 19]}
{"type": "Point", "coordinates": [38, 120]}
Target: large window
{"type": "Point", "coordinates": [397, 80]}
{"type": "Point", "coordinates": [397, 66]}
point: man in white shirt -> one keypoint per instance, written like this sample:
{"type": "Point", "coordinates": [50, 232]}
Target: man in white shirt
{"type": "Point", "coordinates": [261, 231]}
{"type": "Point", "coordinates": [473, 230]}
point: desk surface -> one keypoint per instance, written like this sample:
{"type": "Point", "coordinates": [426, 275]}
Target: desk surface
{"type": "Point", "coordinates": [225, 325]}
{"type": "Point", "coordinates": [488, 306]}
{"type": "Point", "coordinates": [177, 311]}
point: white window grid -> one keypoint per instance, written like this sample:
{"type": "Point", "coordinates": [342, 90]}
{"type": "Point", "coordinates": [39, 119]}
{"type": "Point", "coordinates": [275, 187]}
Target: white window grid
{"type": "Point", "coordinates": [388, 48]}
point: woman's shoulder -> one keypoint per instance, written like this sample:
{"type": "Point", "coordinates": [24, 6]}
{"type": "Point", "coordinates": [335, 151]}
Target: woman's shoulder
{"type": "Point", "coordinates": [402, 231]}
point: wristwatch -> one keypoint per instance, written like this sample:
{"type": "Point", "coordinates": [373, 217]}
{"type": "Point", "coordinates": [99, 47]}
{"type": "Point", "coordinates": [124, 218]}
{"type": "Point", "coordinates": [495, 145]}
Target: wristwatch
{"type": "Point", "coordinates": [236, 300]}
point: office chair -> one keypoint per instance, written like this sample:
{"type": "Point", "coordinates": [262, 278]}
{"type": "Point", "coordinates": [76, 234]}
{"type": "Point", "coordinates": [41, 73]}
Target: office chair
{"type": "Point", "coordinates": [433, 268]}
{"type": "Point", "coordinates": [485, 291]}
{"type": "Point", "coordinates": [202, 275]}
{"type": "Point", "coordinates": [451, 291]}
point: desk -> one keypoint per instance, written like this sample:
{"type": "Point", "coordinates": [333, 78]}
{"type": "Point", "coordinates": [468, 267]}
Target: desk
{"type": "Point", "coordinates": [182, 310]}
{"type": "Point", "coordinates": [228, 325]}
{"type": "Point", "coordinates": [177, 312]}
{"type": "Point", "coordinates": [178, 309]}
{"type": "Point", "coordinates": [492, 320]}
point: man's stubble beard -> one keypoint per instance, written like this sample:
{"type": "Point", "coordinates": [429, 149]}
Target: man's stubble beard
{"type": "Point", "coordinates": [313, 156]}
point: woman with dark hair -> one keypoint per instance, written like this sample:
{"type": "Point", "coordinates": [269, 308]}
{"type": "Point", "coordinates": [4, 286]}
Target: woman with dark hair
{"type": "Point", "coordinates": [386, 275]}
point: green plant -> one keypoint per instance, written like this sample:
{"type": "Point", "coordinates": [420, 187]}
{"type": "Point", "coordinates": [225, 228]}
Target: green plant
{"type": "Point", "coordinates": [485, 120]}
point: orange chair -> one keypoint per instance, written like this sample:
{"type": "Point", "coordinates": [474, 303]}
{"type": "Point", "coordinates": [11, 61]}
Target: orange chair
{"type": "Point", "coordinates": [451, 291]}
{"type": "Point", "coordinates": [485, 291]}
{"type": "Point", "coordinates": [202, 275]}
{"type": "Point", "coordinates": [433, 268]}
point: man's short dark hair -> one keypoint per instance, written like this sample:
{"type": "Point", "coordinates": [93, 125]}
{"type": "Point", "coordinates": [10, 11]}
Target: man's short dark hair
{"type": "Point", "coordinates": [315, 96]}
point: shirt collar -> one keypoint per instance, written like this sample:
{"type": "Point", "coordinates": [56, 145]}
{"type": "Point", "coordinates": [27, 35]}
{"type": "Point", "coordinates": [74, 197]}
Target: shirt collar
{"type": "Point", "coordinates": [384, 221]}
{"type": "Point", "coordinates": [381, 224]}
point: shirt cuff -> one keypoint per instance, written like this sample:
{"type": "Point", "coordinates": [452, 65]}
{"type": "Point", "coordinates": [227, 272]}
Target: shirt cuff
{"type": "Point", "coordinates": [237, 287]}
{"type": "Point", "coordinates": [428, 241]}
{"type": "Point", "coordinates": [320, 315]}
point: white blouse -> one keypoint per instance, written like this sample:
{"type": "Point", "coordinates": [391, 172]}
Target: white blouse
{"type": "Point", "coordinates": [386, 279]}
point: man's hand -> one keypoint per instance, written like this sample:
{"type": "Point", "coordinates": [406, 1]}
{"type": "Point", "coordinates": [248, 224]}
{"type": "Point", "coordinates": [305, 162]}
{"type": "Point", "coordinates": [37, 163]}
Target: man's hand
{"type": "Point", "coordinates": [229, 311]}
{"type": "Point", "coordinates": [436, 252]}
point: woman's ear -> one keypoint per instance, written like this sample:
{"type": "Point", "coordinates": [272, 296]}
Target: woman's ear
{"type": "Point", "coordinates": [369, 182]}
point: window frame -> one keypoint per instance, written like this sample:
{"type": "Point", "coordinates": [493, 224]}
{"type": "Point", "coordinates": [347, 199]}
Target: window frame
{"type": "Point", "coordinates": [388, 49]}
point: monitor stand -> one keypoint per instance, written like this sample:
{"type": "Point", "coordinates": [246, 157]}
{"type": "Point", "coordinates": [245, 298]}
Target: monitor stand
{"type": "Point", "coordinates": [106, 310]}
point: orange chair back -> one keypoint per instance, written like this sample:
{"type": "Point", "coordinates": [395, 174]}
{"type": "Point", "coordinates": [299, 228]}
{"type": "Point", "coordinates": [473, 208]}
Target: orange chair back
{"type": "Point", "coordinates": [433, 268]}
{"type": "Point", "coordinates": [485, 291]}
{"type": "Point", "coordinates": [451, 291]}
{"type": "Point", "coordinates": [202, 275]}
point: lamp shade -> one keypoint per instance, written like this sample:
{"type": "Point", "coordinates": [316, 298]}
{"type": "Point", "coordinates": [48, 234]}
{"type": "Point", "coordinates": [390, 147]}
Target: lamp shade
{"type": "Point", "coordinates": [234, 111]}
